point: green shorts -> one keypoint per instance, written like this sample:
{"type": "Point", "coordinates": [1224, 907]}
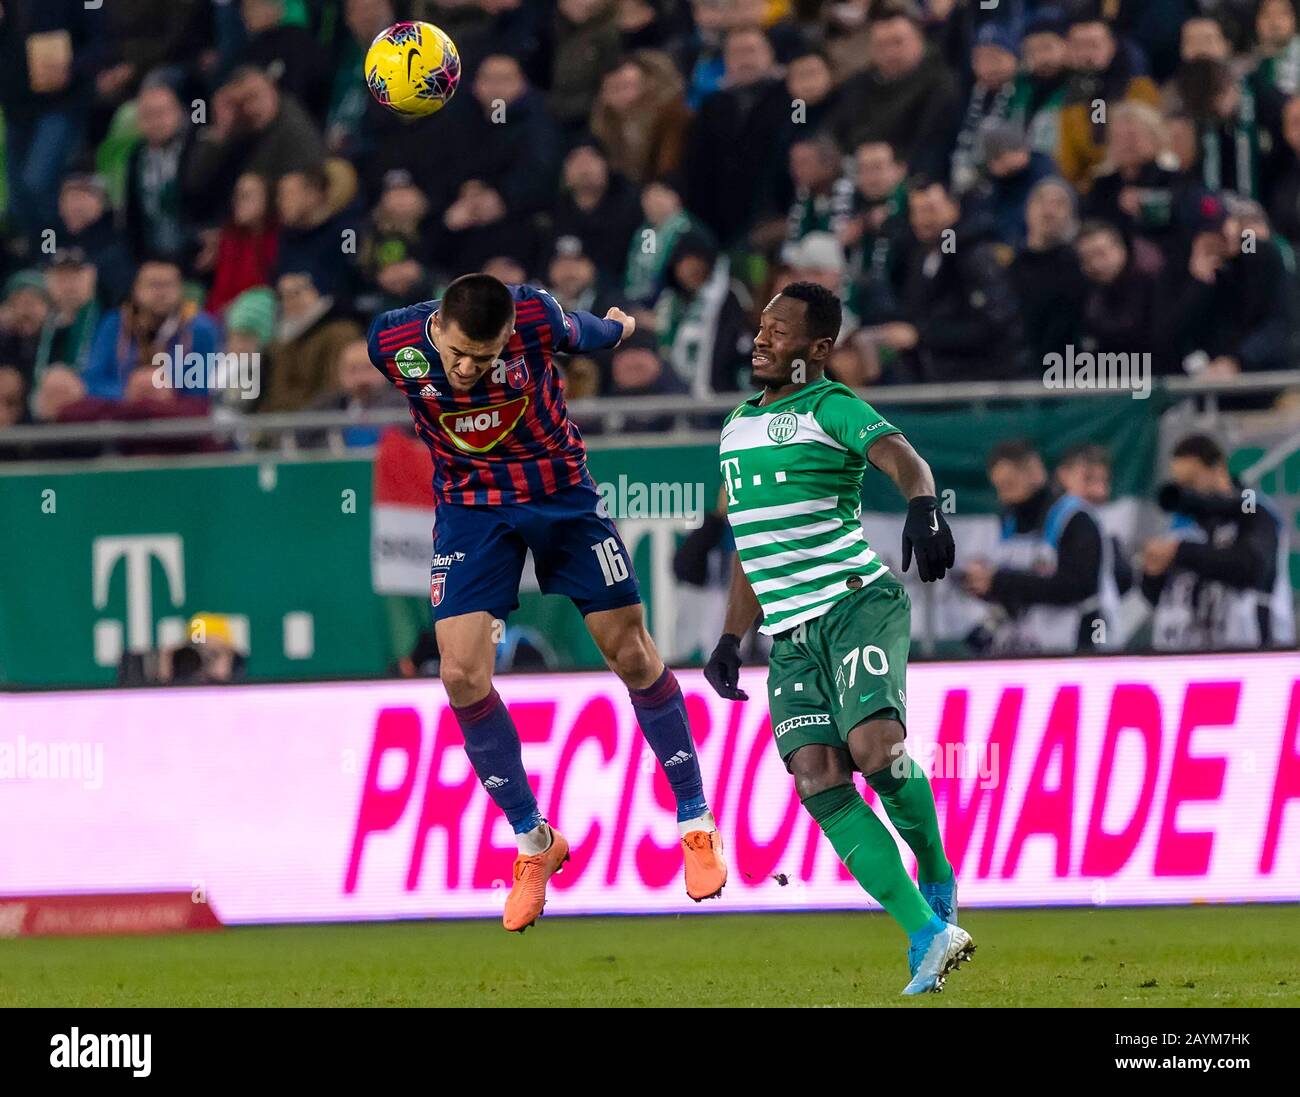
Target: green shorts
{"type": "Point", "coordinates": [828, 675]}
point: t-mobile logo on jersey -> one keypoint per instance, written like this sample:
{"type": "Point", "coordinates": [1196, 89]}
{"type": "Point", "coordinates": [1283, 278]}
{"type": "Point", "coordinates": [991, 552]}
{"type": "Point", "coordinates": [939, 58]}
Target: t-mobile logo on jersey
{"type": "Point", "coordinates": [731, 476]}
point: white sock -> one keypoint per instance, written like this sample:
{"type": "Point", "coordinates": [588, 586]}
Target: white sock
{"type": "Point", "coordinates": [700, 822]}
{"type": "Point", "coordinates": [537, 840]}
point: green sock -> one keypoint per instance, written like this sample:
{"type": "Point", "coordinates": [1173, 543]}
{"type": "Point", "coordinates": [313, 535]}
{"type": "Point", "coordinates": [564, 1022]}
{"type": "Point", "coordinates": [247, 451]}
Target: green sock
{"type": "Point", "coordinates": [869, 851]}
{"type": "Point", "coordinates": [909, 803]}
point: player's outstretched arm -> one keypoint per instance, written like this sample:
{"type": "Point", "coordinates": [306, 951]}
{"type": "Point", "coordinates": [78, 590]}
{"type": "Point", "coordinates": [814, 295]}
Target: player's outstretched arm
{"type": "Point", "coordinates": [925, 531]}
{"type": "Point", "coordinates": [723, 668]}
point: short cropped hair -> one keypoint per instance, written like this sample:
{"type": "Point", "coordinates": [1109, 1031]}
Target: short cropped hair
{"type": "Point", "coordinates": [479, 304]}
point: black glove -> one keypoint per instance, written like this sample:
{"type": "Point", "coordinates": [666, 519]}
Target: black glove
{"type": "Point", "coordinates": [722, 671]}
{"type": "Point", "coordinates": [926, 532]}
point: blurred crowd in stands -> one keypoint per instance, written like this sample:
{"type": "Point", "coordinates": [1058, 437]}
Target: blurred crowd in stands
{"type": "Point", "coordinates": [982, 188]}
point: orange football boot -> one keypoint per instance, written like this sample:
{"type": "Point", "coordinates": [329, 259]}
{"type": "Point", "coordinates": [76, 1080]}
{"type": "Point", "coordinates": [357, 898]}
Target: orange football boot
{"type": "Point", "coordinates": [527, 897]}
{"type": "Point", "coordinates": [706, 868]}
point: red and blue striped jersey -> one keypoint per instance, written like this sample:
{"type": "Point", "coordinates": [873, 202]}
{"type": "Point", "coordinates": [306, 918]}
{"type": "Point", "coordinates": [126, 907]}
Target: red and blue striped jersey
{"type": "Point", "coordinates": [509, 439]}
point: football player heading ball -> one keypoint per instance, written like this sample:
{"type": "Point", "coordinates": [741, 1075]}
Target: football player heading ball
{"type": "Point", "coordinates": [509, 476]}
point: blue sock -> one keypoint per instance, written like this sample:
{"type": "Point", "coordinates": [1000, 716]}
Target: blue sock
{"type": "Point", "coordinates": [933, 926]}
{"type": "Point", "coordinates": [661, 712]}
{"type": "Point", "coordinates": [492, 744]}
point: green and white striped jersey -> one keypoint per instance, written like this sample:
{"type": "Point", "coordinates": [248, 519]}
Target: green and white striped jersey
{"type": "Point", "coordinates": [793, 473]}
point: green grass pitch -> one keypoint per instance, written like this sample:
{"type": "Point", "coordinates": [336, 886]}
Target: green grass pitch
{"type": "Point", "coordinates": [1172, 956]}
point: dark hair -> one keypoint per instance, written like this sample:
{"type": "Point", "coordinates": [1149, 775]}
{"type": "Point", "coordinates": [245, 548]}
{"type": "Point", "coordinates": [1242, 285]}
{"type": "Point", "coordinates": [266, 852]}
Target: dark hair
{"type": "Point", "coordinates": [1097, 227]}
{"type": "Point", "coordinates": [1018, 451]}
{"type": "Point", "coordinates": [923, 182]}
{"type": "Point", "coordinates": [1202, 447]}
{"type": "Point", "coordinates": [811, 51]}
{"type": "Point", "coordinates": [1086, 453]}
{"type": "Point", "coordinates": [480, 304]}
{"type": "Point", "coordinates": [893, 148]}
{"type": "Point", "coordinates": [824, 312]}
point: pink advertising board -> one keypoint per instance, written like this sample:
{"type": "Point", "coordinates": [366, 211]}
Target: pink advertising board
{"type": "Point", "coordinates": [1103, 781]}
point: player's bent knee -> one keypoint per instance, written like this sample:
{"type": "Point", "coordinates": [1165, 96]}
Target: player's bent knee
{"type": "Point", "coordinates": [465, 683]}
{"type": "Point", "coordinates": [876, 744]}
{"type": "Point", "coordinates": [635, 660]}
{"type": "Point", "coordinates": [816, 769]}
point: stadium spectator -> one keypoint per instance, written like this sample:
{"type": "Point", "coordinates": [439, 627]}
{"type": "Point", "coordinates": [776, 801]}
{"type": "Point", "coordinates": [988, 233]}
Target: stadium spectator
{"type": "Point", "coordinates": [141, 37]}
{"type": "Point", "coordinates": [1045, 273]}
{"type": "Point", "coordinates": [155, 214]}
{"type": "Point", "coordinates": [638, 370]}
{"type": "Point", "coordinates": [250, 321]}
{"type": "Point", "coordinates": [249, 327]}
{"type": "Point", "coordinates": [1103, 77]}
{"type": "Point", "coordinates": [1277, 46]}
{"type": "Point", "coordinates": [308, 340]}
{"type": "Point", "coordinates": [907, 96]}
{"type": "Point", "coordinates": [1218, 578]}
{"type": "Point", "coordinates": [574, 280]}
{"type": "Point", "coordinates": [86, 222]}
{"type": "Point", "coordinates": [598, 207]}
{"type": "Point", "coordinates": [703, 329]}
{"type": "Point", "coordinates": [959, 319]}
{"type": "Point", "coordinates": [994, 60]}
{"type": "Point", "coordinates": [666, 222]}
{"type": "Point", "coordinates": [1049, 581]}
{"type": "Point", "coordinates": [1120, 304]}
{"type": "Point", "coordinates": [394, 250]}
{"type": "Point", "coordinates": [353, 116]}
{"type": "Point", "coordinates": [702, 58]}
{"type": "Point", "coordinates": [74, 314]}
{"type": "Point", "coordinates": [252, 127]}
{"type": "Point", "coordinates": [288, 50]}
{"type": "Point", "coordinates": [1013, 170]}
{"type": "Point", "coordinates": [357, 386]}
{"type": "Point", "coordinates": [734, 166]}
{"type": "Point", "coordinates": [585, 45]}
{"type": "Point", "coordinates": [42, 92]}
{"type": "Point", "coordinates": [1137, 191]}
{"type": "Point", "coordinates": [847, 31]}
{"type": "Point", "coordinates": [823, 195]}
{"type": "Point", "coordinates": [505, 175]}
{"type": "Point", "coordinates": [641, 118]}
{"type": "Point", "coordinates": [1238, 119]}
{"type": "Point", "coordinates": [875, 235]}
{"type": "Point", "coordinates": [1234, 312]}
{"type": "Point", "coordinates": [23, 316]}
{"type": "Point", "coordinates": [156, 320]}
{"type": "Point", "coordinates": [246, 246]}
{"type": "Point", "coordinates": [1284, 204]}
{"type": "Point", "coordinates": [643, 25]}
{"type": "Point", "coordinates": [818, 258]}
{"type": "Point", "coordinates": [813, 94]}
{"type": "Point", "coordinates": [311, 239]}
{"type": "Point", "coordinates": [1041, 88]}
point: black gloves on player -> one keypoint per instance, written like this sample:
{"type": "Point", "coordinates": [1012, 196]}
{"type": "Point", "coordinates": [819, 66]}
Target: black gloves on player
{"type": "Point", "coordinates": [926, 533]}
{"type": "Point", "coordinates": [723, 669]}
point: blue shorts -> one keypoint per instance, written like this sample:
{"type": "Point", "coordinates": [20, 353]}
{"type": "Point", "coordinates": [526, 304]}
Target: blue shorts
{"type": "Point", "coordinates": [478, 555]}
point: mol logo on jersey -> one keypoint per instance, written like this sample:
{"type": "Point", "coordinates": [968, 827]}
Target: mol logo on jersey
{"type": "Point", "coordinates": [477, 430]}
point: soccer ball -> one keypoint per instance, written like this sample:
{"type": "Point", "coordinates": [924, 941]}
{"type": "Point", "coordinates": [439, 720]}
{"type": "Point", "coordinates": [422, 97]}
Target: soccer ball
{"type": "Point", "coordinates": [412, 68]}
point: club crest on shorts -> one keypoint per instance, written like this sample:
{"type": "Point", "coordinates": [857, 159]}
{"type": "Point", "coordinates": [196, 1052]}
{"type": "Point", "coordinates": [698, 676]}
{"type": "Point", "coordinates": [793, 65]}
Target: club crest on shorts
{"type": "Point", "coordinates": [437, 587]}
{"type": "Point", "coordinates": [517, 372]}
